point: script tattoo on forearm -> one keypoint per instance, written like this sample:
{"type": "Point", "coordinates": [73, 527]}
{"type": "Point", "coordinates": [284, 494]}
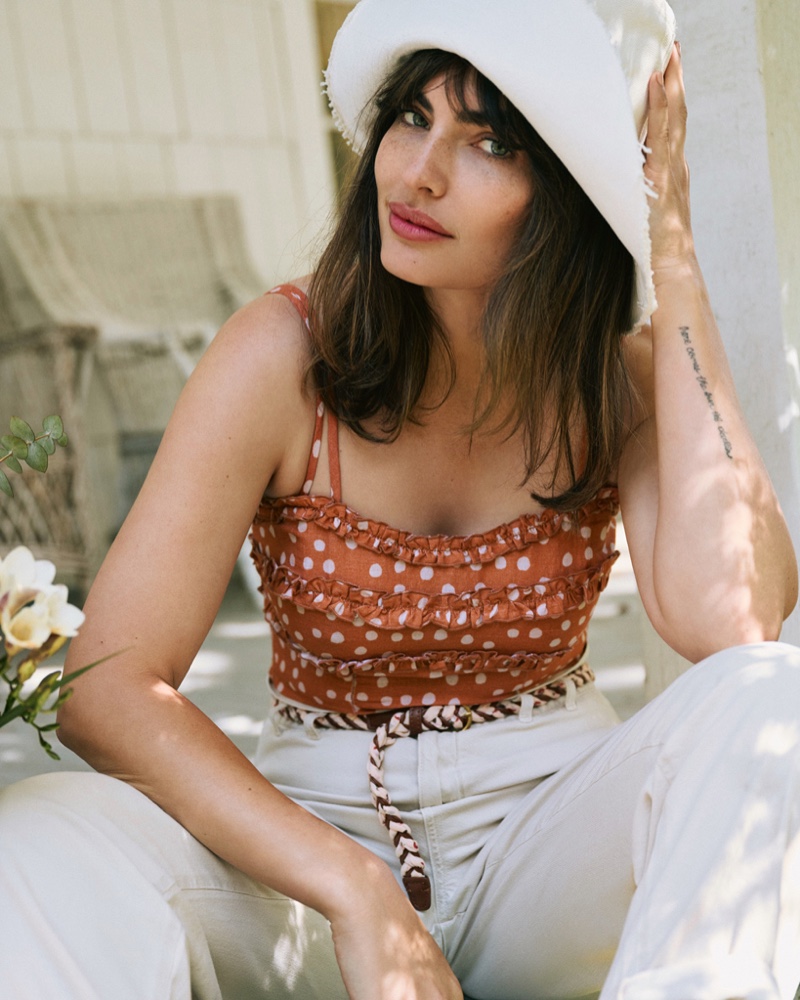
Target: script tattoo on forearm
{"type": "Point", "coordinates": [703, 383]}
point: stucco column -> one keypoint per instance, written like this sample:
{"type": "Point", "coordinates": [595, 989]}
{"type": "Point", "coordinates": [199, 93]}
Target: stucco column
{"type": "Point", "coordinates": [312, 169]}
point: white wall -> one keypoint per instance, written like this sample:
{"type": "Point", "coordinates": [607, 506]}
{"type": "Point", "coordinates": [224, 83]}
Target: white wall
{"type": "Point", "coordinates": [121, 97]}
{"type": "Point", "coordinates": [779, 39]}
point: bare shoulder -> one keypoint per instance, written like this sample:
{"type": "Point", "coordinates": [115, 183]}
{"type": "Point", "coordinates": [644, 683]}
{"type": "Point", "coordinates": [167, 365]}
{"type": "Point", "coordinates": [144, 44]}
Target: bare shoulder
{"type": "Point", "coordinates": [242, 424]}
{"type": "Point", "coordinates": [254, 371]}
{"type": "Point", "coordinates": [267, 337]}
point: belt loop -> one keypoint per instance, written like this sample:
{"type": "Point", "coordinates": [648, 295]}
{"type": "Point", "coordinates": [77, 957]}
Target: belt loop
{"type": "Point", "coordinates": [526, 703]}
{"type": "Point", "coordinates": [309, 720]}
{"type": "Point", "coordinates": [415, 716]}
{"type": "Point", "coordinates": [571, 700]}
{"type": "Point", "coordinates": [279, 721]}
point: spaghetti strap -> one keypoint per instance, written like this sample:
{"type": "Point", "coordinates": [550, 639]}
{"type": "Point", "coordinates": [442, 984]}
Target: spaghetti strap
{"type": "Point", "coordinates": [316, 446]}
{"type": "Point", "coordinates": [299, 300]}
{"type": "Point", "coordinates": [296, 296]}
{"type": "Point", "coordinates": [333, 452]}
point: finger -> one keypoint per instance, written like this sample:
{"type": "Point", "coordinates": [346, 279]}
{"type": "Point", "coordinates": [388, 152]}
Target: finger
{"type": "Point", "coordinates": [657, 139]}
{"type": "Point", "coordinates": [676, 99]}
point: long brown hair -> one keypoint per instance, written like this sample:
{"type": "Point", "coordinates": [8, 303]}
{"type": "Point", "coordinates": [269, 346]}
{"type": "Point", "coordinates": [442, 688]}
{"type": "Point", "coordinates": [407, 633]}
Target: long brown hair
{"type": "Point", "coordinates": [552, 329]}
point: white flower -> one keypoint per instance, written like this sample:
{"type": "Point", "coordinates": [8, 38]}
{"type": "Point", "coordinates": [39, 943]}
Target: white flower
{"type": "Point", "coordinates": [22, 577]}
{"type": "Point", "coordinates": [64, 618]}
{"type": "Point", "coordinates": [29, 628]}
{"type": "Point", "coordinates": [32, 607]}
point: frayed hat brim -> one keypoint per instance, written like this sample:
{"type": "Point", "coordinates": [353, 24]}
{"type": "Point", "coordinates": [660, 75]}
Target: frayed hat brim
{"type": "Point", "coordinates": [577, 69]}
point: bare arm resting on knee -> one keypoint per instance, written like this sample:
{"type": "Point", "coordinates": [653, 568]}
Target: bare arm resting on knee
{"type": "Point", "coordinates": [242, 426]}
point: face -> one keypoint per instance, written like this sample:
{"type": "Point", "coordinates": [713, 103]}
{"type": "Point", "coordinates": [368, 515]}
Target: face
{"type": "Point", "coordinates": [451, 198]}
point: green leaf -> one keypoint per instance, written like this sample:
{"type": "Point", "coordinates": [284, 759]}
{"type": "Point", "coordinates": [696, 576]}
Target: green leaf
{"type": "Point", "coordinates": [36, 457]}
{"type": "Point", "coordinates": [53, 426]}
{"type": "Point", "coordinates": [5, 485]}
{"type": "Point", "coordinates": [16, 446]}
{"type": "Point", "coordinates": [66, 678]}
{"type": "Point", "coordinates": [17, 712]}
{"type": "Point", "coordinates": [13, 464]}
{"type": "Point", "coordinates": [48, 444]}
{"type": "Point", "coordinates": [22, 429]}
{"type": "Point", "coordinates": [7, 441]}
{"type": "Point", "coordinates": [48, 683]}
{"type": "Point", "coordinates": [47, 748]}
{"type": "Point", "coordinates": [63, 441]}
{"type": "Point", "coordinates": [62, 697]}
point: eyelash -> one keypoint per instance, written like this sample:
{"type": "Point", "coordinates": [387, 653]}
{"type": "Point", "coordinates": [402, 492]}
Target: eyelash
{"type": "Point", "coordinates": [498, 142]}
{"type": "Point", "coordinates": [409, 114]}
{"type": "Point", "coordinates": [416, 119]}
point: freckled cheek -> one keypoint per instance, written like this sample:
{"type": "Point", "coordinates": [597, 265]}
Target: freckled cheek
{"type": "Point", "coordinates": [391, 161]}
{"type": "Point", "coordinates": [378, 170]}
{"type": "Point", "coordinates": [383, 187]}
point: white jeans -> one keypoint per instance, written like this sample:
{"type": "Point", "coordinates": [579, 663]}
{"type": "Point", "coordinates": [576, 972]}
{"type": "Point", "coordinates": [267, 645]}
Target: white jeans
{"type": "Point", "coordinates": [657, 859]}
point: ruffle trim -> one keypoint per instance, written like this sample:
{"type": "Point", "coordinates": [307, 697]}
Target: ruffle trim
{"type": "Point", "coordinates": [413, 609]}
{"type": "Point", "coordinates": [377, 536]}
{"type": "Point", "coordinates": [442, 662]}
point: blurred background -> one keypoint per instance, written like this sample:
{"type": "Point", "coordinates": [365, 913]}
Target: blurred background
{"type": "Point", "coordinates": [164, 161]}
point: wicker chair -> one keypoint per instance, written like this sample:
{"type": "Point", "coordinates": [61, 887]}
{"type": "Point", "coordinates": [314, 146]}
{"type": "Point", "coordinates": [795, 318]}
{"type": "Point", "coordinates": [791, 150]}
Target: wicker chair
{"type": "Point", "coordinates": [105, 307]}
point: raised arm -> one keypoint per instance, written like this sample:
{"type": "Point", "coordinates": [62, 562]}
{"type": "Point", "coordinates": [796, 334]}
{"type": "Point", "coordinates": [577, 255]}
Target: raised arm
{"type": "Point", "coordinates": [710, 547]}
{"type": "Point", "coordinates": [242, 425]}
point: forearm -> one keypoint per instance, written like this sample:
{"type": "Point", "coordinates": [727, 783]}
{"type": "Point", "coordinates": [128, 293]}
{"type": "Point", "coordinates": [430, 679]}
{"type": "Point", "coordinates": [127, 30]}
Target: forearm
{"type": "Point", "coordinates": [155, 739]}
{"type": "Point", "coordinates": [723, 568]}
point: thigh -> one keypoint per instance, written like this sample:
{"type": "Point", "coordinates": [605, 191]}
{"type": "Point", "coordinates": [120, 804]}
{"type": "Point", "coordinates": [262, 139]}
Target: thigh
{"type": "Point", "coordinates": [103, 894]}
{"type": "Point", "coordinates": [556, 882]}
{"type": "Point", "coordinates": [652, 804]}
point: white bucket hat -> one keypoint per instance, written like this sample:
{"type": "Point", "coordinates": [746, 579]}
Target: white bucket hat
{"type": "Point", "coordinates": [577, 69]}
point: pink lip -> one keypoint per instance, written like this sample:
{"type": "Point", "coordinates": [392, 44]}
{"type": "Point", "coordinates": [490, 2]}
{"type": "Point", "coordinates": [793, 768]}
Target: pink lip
{"type": "Point", "coordinates": [412, 224]}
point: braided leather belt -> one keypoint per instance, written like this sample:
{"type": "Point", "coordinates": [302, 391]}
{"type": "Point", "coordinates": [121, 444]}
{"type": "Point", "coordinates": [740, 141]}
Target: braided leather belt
{"type": "Point", "coordinates": [392, 725]}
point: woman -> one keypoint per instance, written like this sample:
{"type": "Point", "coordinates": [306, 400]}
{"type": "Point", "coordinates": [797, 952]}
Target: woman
{"type": "Point", "coordinates": [463, 366]}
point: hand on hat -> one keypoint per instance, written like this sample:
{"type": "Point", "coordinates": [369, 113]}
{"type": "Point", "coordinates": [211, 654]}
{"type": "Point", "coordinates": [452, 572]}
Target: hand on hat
{"type": "Point", "coordinates": [666, 169]}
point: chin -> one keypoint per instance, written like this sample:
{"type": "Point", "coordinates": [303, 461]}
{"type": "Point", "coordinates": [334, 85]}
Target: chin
{"type": "Point", "coordinates": [403, 270]}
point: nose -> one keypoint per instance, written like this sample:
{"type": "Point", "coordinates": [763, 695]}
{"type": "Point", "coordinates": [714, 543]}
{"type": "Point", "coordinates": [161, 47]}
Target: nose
{"type": "Point", "coordinates": [429, 167]}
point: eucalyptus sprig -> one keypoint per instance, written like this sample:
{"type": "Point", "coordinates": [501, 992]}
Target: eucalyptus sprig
{"type": "Point", "coordinates": [24, 445]}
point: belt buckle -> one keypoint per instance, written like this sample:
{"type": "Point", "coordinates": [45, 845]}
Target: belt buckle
{"type": "Point", "coordinates": [468, 723]}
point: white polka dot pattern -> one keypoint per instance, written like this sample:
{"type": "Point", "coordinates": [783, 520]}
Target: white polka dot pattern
{"type": "Point", "coordinates": [475, 617]}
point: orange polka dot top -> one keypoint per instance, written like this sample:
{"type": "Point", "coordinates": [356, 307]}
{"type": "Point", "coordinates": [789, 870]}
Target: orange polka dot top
{"type": "Point", "coordinates": [367, 617]}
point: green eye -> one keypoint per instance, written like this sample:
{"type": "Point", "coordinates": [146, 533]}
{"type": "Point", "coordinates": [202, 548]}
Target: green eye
{"type": "Point", "coordinates": [414, 118]}
{"type": "Point", "coordinates": [495, 148]}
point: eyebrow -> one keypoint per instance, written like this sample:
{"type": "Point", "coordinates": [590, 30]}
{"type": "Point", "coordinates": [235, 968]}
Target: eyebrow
{"type": "Point", "coordinates": [466, 116]}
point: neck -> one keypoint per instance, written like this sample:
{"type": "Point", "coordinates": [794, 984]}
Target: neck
{"type": "Point", "coordinates": [459, 314]}
{"type": "Point", "coordinates": [459, 311]}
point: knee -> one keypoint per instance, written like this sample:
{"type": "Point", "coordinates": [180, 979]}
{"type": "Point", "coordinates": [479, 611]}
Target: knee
{"type": "Point", "coordinates": [50, 809]}
{"type": "Point", "coordinates": [31, 799]}
{"type": "Point", "coordinates": [48, 792]}
{"type": "Point", "coordinates": [751, 690]}
{"type": "Point", "coordinates": [759, 670]}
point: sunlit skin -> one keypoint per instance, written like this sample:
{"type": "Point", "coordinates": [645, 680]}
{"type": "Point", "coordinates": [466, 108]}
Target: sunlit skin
{"type": "Point", "coordinates": [451, 198]}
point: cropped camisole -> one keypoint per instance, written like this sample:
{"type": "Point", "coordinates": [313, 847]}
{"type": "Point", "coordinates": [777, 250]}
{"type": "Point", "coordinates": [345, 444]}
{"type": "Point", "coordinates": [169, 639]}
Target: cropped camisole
{"type": "Point", "coordinates": [368, 618]}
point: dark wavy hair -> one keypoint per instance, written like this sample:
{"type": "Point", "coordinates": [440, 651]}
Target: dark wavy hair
{"type": "Point", "coordinates": [552, 328]}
